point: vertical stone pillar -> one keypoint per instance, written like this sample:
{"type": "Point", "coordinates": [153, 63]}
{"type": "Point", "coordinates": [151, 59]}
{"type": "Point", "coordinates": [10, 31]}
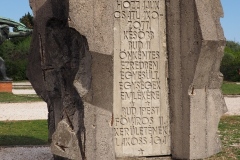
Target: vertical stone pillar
{"type": "Point", "coordinates": [195, 47]}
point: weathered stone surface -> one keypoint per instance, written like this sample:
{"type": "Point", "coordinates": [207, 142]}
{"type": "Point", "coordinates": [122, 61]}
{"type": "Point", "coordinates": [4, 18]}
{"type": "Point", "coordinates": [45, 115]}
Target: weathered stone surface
{"type": "Point", "coordinates": [195, 45]}
{"type": "Point", "coordinates": [65, 141]}
{"type": "Point", "coordinates": [94, 19]}
{"type": "Point", "coordinates": [141, 108]}
{"type": "Point", "coordinates": [98, 110]}
{"type": "Point", "coordinates": [79, 83]}
{"type": "Point", "coordinates": [59, 58]}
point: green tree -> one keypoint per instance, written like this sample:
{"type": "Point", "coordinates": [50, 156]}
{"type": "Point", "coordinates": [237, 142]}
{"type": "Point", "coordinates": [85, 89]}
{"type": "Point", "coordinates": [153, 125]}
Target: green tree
{"type": "Point", "coordinates": [231, 62]}
{"type": "Point", "coordinates": [15, 57]}
{"type": "Point", "coordinates": [27, 19]}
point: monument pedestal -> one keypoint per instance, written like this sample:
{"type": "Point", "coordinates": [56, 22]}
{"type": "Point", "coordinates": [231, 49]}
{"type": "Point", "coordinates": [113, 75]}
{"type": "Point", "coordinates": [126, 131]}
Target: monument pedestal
{"type": "Point", "coordinates": [6, 86]}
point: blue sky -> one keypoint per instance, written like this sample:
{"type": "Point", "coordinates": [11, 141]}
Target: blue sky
{"type": "Point", "coordinates": [231, 20]}
{"type": "Point", "coordinates": [15, 9]}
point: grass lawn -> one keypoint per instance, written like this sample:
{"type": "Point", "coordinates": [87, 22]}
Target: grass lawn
{"type": "Point", "coordinates": [23, 133]}
{"type": "Point", "coordinates": [12, 98]}
{"type": "Point", "coordinates": [230, 88]}
{"type": "Point", "coordinates": [229, 128]}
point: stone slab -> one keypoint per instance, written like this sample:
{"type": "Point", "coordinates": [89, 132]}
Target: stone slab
{"type": "Point", "coordinates": [146, 158]}
{"type": "Point", "coordinates": [141, 110]}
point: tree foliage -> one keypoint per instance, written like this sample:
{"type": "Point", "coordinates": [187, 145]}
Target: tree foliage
{"type": "Point", "coordinates": [15, 56]}
{"type": "Point", "coordinates": [231, 62]}
{"type": "Point", "coordinates": [27, 19]}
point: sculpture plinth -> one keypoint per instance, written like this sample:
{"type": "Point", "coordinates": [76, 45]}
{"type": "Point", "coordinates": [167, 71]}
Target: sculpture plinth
{"type": "Point", "coordinates": [6, 86]}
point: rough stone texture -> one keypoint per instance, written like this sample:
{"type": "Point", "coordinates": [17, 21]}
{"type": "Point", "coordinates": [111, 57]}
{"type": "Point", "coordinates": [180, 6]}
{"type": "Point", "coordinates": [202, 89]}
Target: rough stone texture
{"type": "Point", "coordinates": [60, 71]}
{"type": "Point", "coordinates": [59, 58]}
{"type": "Point", "coordinates": [65, 141]}
{"type": "Point", "coordinates": [98, 110]}
{"type": "Point", "coordinates": [195, 45]}
{"type": "Point", "coordinates": [94, 19]}
{"type": "Point", "coordinates": [77, 84]}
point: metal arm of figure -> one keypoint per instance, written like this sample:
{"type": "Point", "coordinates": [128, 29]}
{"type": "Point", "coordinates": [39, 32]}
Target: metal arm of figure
{"type": "Point", "coordinates": [20, 31]}
{"type": "Point", "coordinates": [11, 23]}
{"type": "Point", "coordinates": [3, 26]}
{"type": "Point", "coordinates": [18, 34]}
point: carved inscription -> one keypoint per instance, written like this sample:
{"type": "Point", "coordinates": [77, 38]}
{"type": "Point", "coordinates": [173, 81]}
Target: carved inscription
{"type": "Point", "coordinates": [141, 111]}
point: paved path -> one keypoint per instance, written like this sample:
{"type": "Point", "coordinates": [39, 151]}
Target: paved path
{"type": "Point", "coordinates": [233, 105]}
{"type": "Point", "coordinates": [23, 111]}
{"type": "Point", "coordinates": [38, 110]}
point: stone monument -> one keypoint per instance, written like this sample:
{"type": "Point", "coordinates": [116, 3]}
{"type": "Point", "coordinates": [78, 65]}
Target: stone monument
{"type": "Point", "coordinates": [129, 80]}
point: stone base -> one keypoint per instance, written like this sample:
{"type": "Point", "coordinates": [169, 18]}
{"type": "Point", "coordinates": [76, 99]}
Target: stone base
{"type": "Point", "coordinates": [6, 86]}
{"type": "Point", "coordinates": [146, 158]}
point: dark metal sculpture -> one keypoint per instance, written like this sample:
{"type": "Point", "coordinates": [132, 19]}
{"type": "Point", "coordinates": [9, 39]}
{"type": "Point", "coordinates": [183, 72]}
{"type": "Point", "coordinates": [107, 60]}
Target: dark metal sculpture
{"type": "Point", "coordinates": [19, 30]}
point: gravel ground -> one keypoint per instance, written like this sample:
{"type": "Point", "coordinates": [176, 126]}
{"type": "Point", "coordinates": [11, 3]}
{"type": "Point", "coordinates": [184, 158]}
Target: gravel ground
{"type": "Point", "coordinates": [38, 110]}
{"type": "Point", "coordinates": [25, 153]}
